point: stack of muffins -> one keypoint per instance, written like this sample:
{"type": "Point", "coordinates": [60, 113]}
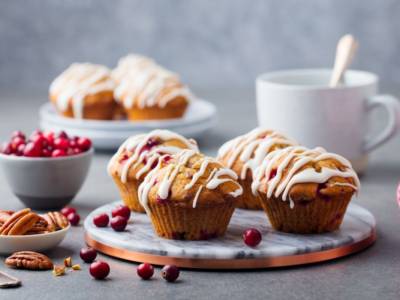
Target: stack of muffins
{"type": "Point", "coordinates": [137, 89]}
{"type": "Point", "coordinates": [190, 196]}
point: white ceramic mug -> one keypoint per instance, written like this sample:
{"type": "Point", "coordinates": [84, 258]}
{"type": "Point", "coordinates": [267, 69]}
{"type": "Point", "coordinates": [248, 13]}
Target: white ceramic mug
{"type": "Point", "coordinates": [300, 104]}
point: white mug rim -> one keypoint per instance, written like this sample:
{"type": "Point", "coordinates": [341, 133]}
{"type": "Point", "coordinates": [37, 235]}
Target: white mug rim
{"type": "Point", "coordinates": [268, 77]}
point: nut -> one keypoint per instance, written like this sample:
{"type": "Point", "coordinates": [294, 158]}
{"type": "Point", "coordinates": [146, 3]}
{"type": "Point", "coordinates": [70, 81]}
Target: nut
{"type": "Point", "coordinates": [68, 262]}
{"type": "Point", "coordinates": [76, 267]}
{"type": "Point", "coordinates": [19, 222]}
{"type": "Point", "coordinates": [29, 260]}
{"type": "Point", "coordinates": [55, 220]}
{"type": "Point", "coordinates": [58, 270]}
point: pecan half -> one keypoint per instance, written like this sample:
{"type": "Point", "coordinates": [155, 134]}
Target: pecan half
{"type": "Point", "coordinates": [29, 260]}
{"type": "Point", "coordinates": [19, 222]}
{"type": "Point", "coordinates": [55, 220]}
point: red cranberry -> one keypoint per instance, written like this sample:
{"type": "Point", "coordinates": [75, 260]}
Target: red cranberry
{"type": "Point", "coordinates": [170, 273]}
{"type": "Point", "coordinates": [20, 150]}
{"type": "Point", "coordinates": [61, 143]}
{"type": "Point", "coordinates": [73, 143]}
{"type": "Point", "coordinates": [99, 269]}
{"type": "Point", "coordinates": [46, 152]}
{"type": "Point", "coordinates": [101, 220]}
{"type": "Point", "coordinates": [63, 134]}
{"type": "Point", "coordinates": [49, 137]}
{"type": "Point", "coordinates": [145, 271]}
{"type": "Point", "coordinates": [149, 144]}
{"type": "Point", "coordinates": [88, 255]}
{"type": "Point", "coordinates": [58, 153]}
{"type": "Point", "coordinates": [167, 158]}
{"type": "Point", "coordinates": [252, 237]}
{"type": "Point", "coordinates": [119, 223]}
{"type": "Point", "coordinates": [36, 132]}
{"type": "Point", "coordinates": [67, 210]}
{"type": "Point", "coordinates": [84, 144]}
{"type": "Point", "coordinates": [73, 218]}
{"type": "Point", "coordinates": [76, 151]}
{"type": "Point", "coordinates": [272, 174]}
{"type": "Point", "coordinates": [18, 133]}
{"type": "Point", "coordinates": [122, 211]}
{"type": "Point", "coordinates": [40, 141]}
{"type": "Point", "coordinates": [16, 142]}
{"type": "Point", "coordinates": [32, 150]}
{"type": "Point", "coordinates": [6, 148]}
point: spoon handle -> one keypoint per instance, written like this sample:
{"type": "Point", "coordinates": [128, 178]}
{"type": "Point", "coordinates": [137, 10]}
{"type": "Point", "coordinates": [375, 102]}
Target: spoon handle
{"type": "Point", "coordinates": [7, 281]}
{"type": "Point", "coordinates": [345, 50]}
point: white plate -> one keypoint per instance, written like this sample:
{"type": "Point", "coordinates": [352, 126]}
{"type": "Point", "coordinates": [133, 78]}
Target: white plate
{"type": "Point", "coordinates": [35, 242]}
{"type": "Point", "coordinates": [200, 117]}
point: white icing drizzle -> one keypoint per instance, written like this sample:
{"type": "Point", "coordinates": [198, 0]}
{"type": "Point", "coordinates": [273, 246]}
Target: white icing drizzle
{"type": "Point", "coordinates": [134, 146]}
{"type": "Point", "coordinates": [182, 158]}
{"type": "Point", "coordinates": [300, 156]}
{"type": "Point", "coordinates": [142, 82]}
{"type": "Point", "coordinates": [252, 149]}
{"type": "Point", "coordinates": [77, 82]}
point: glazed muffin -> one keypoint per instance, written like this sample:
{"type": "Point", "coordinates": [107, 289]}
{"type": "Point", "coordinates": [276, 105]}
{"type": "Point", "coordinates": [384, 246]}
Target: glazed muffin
{"type": "Point", "coordinates": [138, 155]}
{"type": "Point", "coordinates": [245, 153]}
{"type": "Point", "coordinates": [191, 197]}
{"type": "Point", "coordinates": [305, 191]}
{"type": "Point", "coordinates": [147, 91]}
{"type": "Point", "coordinates": [84, 91]}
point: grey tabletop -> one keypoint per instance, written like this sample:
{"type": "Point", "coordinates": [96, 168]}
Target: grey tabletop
{"type": "Point", "coordinates": [370, 274]}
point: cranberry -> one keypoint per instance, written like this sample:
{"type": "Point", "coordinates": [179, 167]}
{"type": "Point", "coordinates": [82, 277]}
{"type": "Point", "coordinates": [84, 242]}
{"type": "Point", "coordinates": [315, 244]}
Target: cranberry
{"type": "Point", "coordinates": [46, 152]}
{"type": "Point", "coordinates": [99, 269]}
{"type": "Point", "coordinates": [61, 143]}
{"type": "Point", "coordinates": [73, 218]}
{"type": "Point", "coordinates": [149, 144]}
{"type": "Point", "coordinates": [145, 271]}
{"type": "Point", "coordinates": [58, 153]}
{"type": "Point", "coordinates": [32, 150]}
{"type": "Point", "coordinates": [49, 137]}
{"type": "Point", "coordinates": [84, 144]}
{"type": "Point", "coordinates": [170, 273]}
{"type": "Point", "coordinates": [101, 220]}
{"type": "Point", "coordinates": [166, 158]}
{"type": "Point", "coordinates": [76, 151]}
{"type": "Point", "coordinates": [36, 132]}
{"type": "Point", "coordinates": [20, 150]}
{"type": "Point", "coordinates": [252, 237]}
{"type": "Point", "coordinates": [16, 142]}
{"type": "Point", "coordinates": [122, 211]}
{"type": "Point", "coordinates": [6, 148]}
{"type": "Point", "coordinates": [67, 210]}
{"type": "Point", "coordinates": [73, 143]}
{"type": "Point", "coordinates": [88, 255]}
{"type": "Point", "coordinates": [63, 134]}
{"type": "Point", "coordinates": [18, 133]}
{"type": "Point", "coordinates": [272, 174]}
{"type": "Point", "coordinates": [40, 141]}
{"type": "Point", "coordinates": [119, 223]}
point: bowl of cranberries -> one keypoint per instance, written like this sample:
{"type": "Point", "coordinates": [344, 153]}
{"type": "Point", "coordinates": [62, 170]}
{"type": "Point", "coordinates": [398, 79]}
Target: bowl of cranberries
{"type": "Point", "coordinates": [46, 169]}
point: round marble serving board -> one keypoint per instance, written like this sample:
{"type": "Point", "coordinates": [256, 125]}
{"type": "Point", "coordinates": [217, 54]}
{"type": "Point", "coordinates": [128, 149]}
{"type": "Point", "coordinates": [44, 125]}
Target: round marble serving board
{"type": "Point", "coordinates": [139, 242]}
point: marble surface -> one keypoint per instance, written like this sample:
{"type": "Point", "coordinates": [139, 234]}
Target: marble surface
{"type": "Point", "coordinates": [369, 275]}
{"type": "Point", "coordinates": [358, 224]}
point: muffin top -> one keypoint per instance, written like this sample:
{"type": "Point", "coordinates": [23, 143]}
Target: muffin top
{"type": "Point", "coordinates": [191, 179]}
{"type": "Point", "coordinates": [302, 173]}
{"type": "Point", "coordinates": [246, 152]}
{"type": "Point", "coordinates": [143, 83]}
{"type": "Point", "coordinates": [140, 153]}
{"type": "Point", "coordinates": [77, 82]}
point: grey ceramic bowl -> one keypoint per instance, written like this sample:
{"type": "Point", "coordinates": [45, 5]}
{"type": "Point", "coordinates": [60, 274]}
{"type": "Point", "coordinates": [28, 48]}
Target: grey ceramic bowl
{"type": "Point", "coordinates": [46, 183]}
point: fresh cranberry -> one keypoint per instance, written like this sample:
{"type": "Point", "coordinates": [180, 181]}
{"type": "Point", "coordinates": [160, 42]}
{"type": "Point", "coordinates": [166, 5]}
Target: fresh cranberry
{"type": "Point", "coordinates": [73, 218]}
{"type": "Point", "coordinates": [101, 220]}
{"type": "Point", "coordinates": [39, 140]}
{"type": "Point", "coordinates": [58, 153]}
{"type": "Point", "coordinates": [88, 255]}
{"type": "Point", "coordinates": [18, 133]}
{"type": "Point", "coordinates": [252, 237]}
{"type": "Point", "coordinates": [16, 142]}
{"type": "Point", "coordinates": [99, 269]}
{"type": "Point", "coordinates": [145, 271]}
{"type": "Point", "coordinates": [6, 148]}
{"type": "Point", "coordinates": [49, 137]}
{"type": "Point", "coordinates": [36, 132]}
{"type": "Point", "coordinates": [170, 273]}
{"type": "Point", "coordinates": [76, 151]}
{"type": "Point", "coordinates": [63, 134]}
{"type": "Point", "coordinates": [84, 143]}
{"type": "Point", "coordinates": [32, 150]}
{"type": "Point", "coordinates": [73, 143]}
{"type": "Point", "coordinates": [20, 150]}
{"type": "Point", "coordinates": [67, 210]}
{"type": "Point", "coordinates": [46, 152]}
{"type": "Point", "coordinates": [119, 223]}
{"type": "Point", "coordinates": [122, 211]}
{"type": "Point", "coordinates": [61, 143]}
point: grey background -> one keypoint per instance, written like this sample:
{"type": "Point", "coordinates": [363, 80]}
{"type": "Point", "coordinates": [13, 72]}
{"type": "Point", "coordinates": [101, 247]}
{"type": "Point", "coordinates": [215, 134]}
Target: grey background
{"type": "Point", "coordinates": [223, 43]}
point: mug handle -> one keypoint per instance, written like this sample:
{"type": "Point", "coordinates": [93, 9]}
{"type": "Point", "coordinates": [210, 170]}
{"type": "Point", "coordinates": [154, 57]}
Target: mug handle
{"type": "Point", "coordinates": [392, 106]}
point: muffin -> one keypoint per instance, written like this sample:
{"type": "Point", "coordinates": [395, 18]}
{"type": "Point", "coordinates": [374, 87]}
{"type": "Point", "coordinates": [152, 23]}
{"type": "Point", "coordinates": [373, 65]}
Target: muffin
{"type": "Point", "coordinates": [305, 191]}
{"type": "Point", "coordinates": [138, 155]}
{"type": "Point", "coordinates": [84, 91]}
{"type": "Point", "coordinates": [190, 198]}
{"type": "Point", "coordinates": [147, 91]}
{"type": "Point", "coordinates": [245, 153]}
